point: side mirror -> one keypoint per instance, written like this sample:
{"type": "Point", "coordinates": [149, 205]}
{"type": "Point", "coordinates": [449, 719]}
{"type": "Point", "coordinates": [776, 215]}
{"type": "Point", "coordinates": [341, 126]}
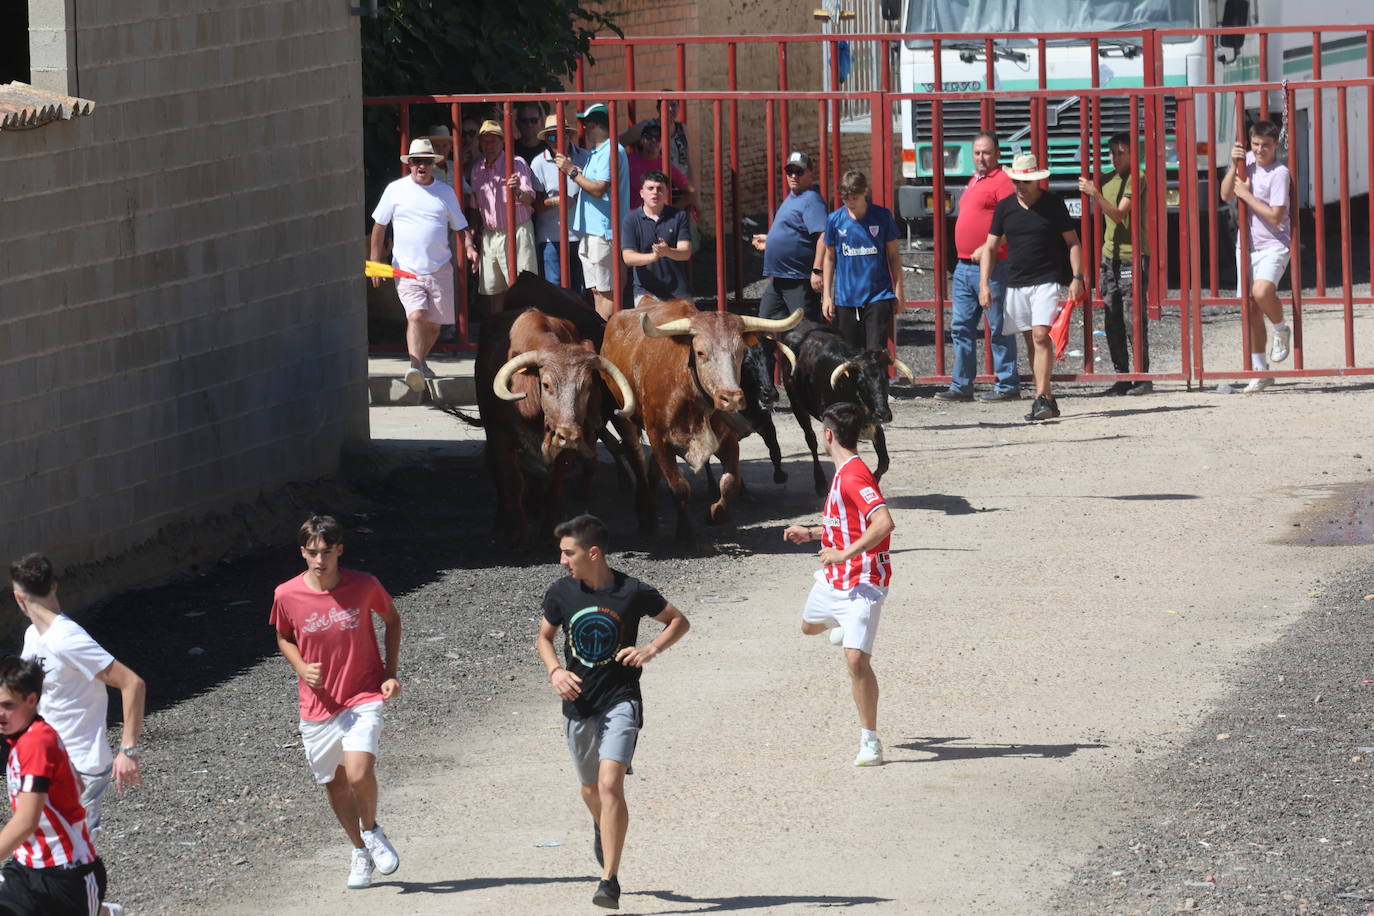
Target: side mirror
{"type": "Point", "coordinates": [1236, 14]}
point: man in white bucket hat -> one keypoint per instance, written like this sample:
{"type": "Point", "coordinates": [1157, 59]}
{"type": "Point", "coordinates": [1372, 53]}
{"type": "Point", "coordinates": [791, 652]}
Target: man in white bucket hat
{"type": "Point", "coordinates": [1044, 256]}
{"type": "Point", "coordinates": [421, 212]}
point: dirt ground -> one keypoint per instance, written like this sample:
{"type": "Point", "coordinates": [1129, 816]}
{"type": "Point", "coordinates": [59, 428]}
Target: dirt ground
{"type": "Point", "coordinates": [1070, 601]}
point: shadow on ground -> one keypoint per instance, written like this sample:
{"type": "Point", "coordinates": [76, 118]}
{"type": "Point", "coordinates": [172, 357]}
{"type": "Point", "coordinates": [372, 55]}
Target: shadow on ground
{"type": "Point", "coordinates": [943, 749]}
{"type": "Point", "coordinates": [757, 901]}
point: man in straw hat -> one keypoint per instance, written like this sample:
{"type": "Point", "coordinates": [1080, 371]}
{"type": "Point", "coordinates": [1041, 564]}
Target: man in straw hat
{"type": "Point", "coordinates": [1044, 255]}
{"type": "Point", "coordinates": [546, 225]}
{"type": "Point", "coordinates": [492, 181]}
{"type": "Point", "coordinates": [421, 211]}
{"type": "Point", "coordinates": [592, 218]}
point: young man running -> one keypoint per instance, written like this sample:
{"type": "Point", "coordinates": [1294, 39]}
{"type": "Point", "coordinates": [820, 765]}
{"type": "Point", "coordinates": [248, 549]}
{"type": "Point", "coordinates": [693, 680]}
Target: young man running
{"type": "Point", "coordinates": [323, 619]}
{"type": "Point", "coordinates": [599, 610]}
{"type": "Point", "coordinates": [1265, 193]}
{"type": "Point", "coordinates": [77, 668]}
{"type": "Point", "coordinates": [851, 585]}
{"type": "Point", "coordinates": [54, 870]}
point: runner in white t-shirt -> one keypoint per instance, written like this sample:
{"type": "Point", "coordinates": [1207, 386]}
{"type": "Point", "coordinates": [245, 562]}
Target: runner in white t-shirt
{"type": "Point", "coordinates": [76, 670]}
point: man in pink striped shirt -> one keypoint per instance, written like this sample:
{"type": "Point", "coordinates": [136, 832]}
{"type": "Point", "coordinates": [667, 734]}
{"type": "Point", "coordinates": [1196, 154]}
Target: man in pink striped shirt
{"type": "Point", "coordinates": [851, 585]}
{"type": "Point", "coordinates": [491, 185]}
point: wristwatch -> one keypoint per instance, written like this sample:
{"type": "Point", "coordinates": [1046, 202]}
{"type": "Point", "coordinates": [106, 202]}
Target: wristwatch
{"type": "Point", "coordinates": [131, 751]}
{"type": "Point", "coordinates": [818, 272]}
{"type": "Point", "coordinates": [1078, 276]}
{"type": "Point", "coordinates": [575, 172]}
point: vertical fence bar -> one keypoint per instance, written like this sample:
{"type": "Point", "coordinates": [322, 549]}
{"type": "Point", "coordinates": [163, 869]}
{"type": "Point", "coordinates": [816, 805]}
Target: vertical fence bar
{"type": "Point", "coordinates": [405, 138]}
{"type": "Point", "coordinates": [1295, 267]}
{"type": "Point", "coordinates": [833, 108]}
{"type": "Point", "coordinates": [1369, 138]}
{"type": "Point", "coordinates": [785, 110]}
{"type": "Point", "coordinates": [1243, 279]}
{"type": "Point", "coordinates": [1194, 314]}
{"type": "Point", "coordinates": [681, 62]}
{"type": "Point", "coordinates": [508, 159]}
{"type": "Point", "coordinates": [1184, 114]}
{"type": "Point", "coordinates": [735, 230]}
{"type": "Point", "coordinates": [1318, 172]}
{"type": "Point", "coordinates": [460, 281]}
{"type": "Point", "coordinates": [718, 151]}
{"type": "Point", "coordinates": [1342, 128]}
{"type": "Point", "coordinates": [580, 74]}
{"type": "Point", "coordinates": [1213, 188]}
{"type": "Point", "coordinates": [771, 157]}
{"type": "Point", "coordinates": [1039, 108]}
{"type": "Point", "coordinates": [1138, 206]}
{"type": "Point", "coordinates": [617, 258]}
{"type": "Point", "coordinates": [1264, 75]}
{"type": "Point", "coordinates": [989, 84]}
{"type": "Point", "coordinates": [1156, 175]}
{"type": "Point", "coordinates": [630, 85]}
{"type": "Point", "coordinates": [941, 222]}
{"type": "Point", "coordinates": [822, 158]}
{"type": "Point", "coordinates": [665, 136]}
{"type": "Point", "coordinates": [564, 255]}
{"type": "Point", "coordinates": [1087, 169]}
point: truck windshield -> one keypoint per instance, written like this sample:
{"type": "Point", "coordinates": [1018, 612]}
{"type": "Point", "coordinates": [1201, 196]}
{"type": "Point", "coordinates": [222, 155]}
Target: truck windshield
{"type": "Point", "coordinates": [977, 18]}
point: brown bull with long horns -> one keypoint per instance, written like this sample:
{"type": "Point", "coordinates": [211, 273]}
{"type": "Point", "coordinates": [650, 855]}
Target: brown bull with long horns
{"type": "Point", "coordinates": [684, 373]}
{"type": "Point", "coordinates": [542, 401]}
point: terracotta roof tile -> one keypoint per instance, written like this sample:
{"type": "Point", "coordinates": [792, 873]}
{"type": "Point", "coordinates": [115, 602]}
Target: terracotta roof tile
{"type": "Point", "coordinates": [23, 107]}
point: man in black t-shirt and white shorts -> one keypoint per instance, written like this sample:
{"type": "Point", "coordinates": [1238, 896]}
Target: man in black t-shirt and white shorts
{"type": "Point", "coordinates": [1043, 256]}
{"type": "Point", "coordinates": [599, 610]}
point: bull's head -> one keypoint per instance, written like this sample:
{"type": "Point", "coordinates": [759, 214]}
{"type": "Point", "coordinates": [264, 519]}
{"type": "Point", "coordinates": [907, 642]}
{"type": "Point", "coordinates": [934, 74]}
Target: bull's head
{"type": "Point", "coordinates": [569, 377]}
{"type": "Point", "coordinates": [718, 340]}
{"type": "Point", "coordinates": [866, 374]}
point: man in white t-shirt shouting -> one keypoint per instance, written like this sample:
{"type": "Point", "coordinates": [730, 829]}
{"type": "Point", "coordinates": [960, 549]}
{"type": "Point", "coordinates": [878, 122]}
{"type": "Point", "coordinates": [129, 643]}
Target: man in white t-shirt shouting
{"type": "Point", "coordinates": [76, 670]}
{"type": "Point", "coordinates": [421, 211]}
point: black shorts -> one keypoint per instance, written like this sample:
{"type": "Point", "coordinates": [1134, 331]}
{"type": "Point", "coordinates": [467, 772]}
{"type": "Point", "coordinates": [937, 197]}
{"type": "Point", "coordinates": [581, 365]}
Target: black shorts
{"type": "Point", "coordinates": [62, 891]}
{"type": "Point", "coordinates": [782, 297]}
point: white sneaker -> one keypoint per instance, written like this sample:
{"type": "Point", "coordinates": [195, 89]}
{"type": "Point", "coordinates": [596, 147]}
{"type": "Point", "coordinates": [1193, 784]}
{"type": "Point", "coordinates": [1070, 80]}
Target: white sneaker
{"type": "Point", "coordinates": [1257, 384]}
{"type": "Point", "coordinates": [837, 636]}
{"type": "Point", "coordinates": [870, 753]}
{"type": "Point", "coordinates": [360, 871]}
{"type": "Point", "coordinates": [1279, 351]}
{"type": "Point", "coordinates": [112, 909]}
{"type": "Point", "coordinates": [383, 853]}
{"type": "Point", "coordinates": [415, 380]}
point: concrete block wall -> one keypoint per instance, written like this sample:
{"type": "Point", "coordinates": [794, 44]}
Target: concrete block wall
{"type": "Point", "coordinates": [182, 315]}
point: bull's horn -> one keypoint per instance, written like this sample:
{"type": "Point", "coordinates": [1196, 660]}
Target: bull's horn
{"type": "Point", "coordinates": [671, 329]}
{"type": "Point", "coordinates": [772, 325]}
{"type": "Point", "coordinates": [785, 350]}
{"type": "Point", "coordinates": [626, 393]}
{"type": "Point", "coordinates": [904, 369]}
{"type": "Point", "coordinates": [835, 376]}
{"type": "Point", "coordinates": [501, 384]}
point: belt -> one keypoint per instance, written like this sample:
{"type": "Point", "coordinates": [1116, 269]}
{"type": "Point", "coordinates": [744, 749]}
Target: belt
{"type": "Point", "coordinates": [968, 261]}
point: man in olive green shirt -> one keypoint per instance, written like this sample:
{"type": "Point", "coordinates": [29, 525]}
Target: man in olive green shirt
{"type": "Point", "coordinates": [1115, 277]}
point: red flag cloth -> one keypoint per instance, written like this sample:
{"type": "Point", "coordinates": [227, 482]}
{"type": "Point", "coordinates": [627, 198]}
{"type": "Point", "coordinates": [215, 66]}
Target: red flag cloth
{"type": "Point", "coordinates": [1059, 331]}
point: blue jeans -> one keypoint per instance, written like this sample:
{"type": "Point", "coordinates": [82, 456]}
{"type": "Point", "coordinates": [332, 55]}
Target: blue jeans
{"type": "Point", "coordinates": [965, 329]}
{"type": "Point", "coordinates": [549, 266]}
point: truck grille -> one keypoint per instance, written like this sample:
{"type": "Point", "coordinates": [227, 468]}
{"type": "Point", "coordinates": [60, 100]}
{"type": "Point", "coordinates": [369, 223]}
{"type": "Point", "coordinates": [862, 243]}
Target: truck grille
{"type": "Point", "coordinates": [962, 119]}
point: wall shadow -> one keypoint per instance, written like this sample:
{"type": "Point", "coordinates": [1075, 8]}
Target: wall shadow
{"type": "Point", "coordinates": [936, 502]}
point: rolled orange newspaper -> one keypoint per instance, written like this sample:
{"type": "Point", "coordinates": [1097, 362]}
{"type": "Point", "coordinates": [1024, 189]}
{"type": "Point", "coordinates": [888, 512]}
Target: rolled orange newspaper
{"type": "Point", "coordinates": [385, 271]}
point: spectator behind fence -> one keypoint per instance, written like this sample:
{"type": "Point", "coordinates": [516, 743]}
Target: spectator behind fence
{"type": "Point", "coordinates": [442, 141]}
{"type": "Point", "coordinates": [988, 187]}
{"type": "Point", "coordinates": [546, 233]}
{"type": "Point", "coordinates": [491, 183]}
{"type": "Point", "coordinates": [1115, 278]}
{"type": "Point", "coordinates": [791, 255]}
{"type": "Point", "coordinates": [862, 281]}
{"type": "Point", "coordinates": [593, 214]}
{"type": "Point", "coordinates": [647, 156]}
{"type": "Point", "coordinates": [678, 153]}
{"type": "Point", "coordinates": [1044, 254]}
{"type": "Point", "coordinates": [529, 119]}
{"type": "Point", "coordinates": [421, 211]}
{"type": "Point", "coordinates": [656, 240]}
{"type": "Point", "coordinates": [1265, 193]}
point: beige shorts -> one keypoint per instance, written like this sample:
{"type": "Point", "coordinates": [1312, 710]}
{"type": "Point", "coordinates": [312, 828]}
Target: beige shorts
{"type": "Point", "coordinates": [493, 266]}
{"type": "Point", "coordinates": [595, 254]}
{"type": "Point", "coordinates": [430, 297]}
{"type": "Point", "coordinates": [1029, 306]}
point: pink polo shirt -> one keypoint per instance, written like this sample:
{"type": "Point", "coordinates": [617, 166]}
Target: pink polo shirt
{"type": "Point", "coordinates": [975, 211]}
{"type": "Point", "coordinates": [489, 191]}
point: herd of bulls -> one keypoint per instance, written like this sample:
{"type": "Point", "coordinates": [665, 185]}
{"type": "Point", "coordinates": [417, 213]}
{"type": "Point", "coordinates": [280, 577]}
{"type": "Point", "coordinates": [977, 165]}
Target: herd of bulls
{"type": "Point", "coordinates": [553, 379]}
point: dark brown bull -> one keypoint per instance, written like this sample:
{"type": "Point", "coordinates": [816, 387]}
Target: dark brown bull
{"type": "Point", "coordinates": [684, 370]}
{"type": "Point", "coordinates": [539, 396]}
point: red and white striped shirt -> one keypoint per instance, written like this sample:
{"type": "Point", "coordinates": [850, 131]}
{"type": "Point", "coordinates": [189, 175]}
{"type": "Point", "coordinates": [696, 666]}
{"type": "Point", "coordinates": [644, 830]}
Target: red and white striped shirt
{"type": "Point", "coordinates": [38, 763]}
{"type": "Point", "coordinates": [853, 498]}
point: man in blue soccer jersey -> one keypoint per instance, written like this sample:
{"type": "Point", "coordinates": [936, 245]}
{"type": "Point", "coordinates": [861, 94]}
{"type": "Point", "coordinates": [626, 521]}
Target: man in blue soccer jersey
{"type": "Point", "coordinates": [861, 267]}
{"type": "Point", "coordinates": [599, 609]}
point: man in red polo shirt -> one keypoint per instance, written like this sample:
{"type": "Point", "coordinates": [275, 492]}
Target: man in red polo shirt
{"type": "Point", "coordinates": [988, 185]}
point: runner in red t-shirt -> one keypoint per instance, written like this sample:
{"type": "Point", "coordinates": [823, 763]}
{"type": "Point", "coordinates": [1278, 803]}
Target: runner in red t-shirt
{"type": "Point", "coordinates": [54, 870]}
{"type": "Point", "coordinates": [323, 619]}
{"type": "Point", "coordinates": [851, 584]}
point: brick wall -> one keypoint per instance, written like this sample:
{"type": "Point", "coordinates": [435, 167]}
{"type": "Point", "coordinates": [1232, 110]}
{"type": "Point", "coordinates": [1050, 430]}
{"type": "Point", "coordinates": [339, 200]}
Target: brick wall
{"type": "Point", "coordinates": [182, 323]}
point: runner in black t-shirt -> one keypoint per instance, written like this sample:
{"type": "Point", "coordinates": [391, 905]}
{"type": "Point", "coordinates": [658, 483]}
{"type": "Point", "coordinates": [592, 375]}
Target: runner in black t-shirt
{"type": "Point", "coordinates": [1043, 256]}
{"type": "Point", "coordinates": [599, 610]}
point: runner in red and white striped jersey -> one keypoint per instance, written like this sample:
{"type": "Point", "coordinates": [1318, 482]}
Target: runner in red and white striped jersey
{"type": "Point", "coordinates": [851, 584]}
{"type": "Point", "coordinates": [38, 763]}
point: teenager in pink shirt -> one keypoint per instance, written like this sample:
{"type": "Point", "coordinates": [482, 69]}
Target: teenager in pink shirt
{"type": "Point", "coordinates": [323, 619]}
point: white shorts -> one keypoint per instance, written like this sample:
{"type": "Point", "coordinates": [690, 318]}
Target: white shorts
{"type": "Point", "coordinates": [856, 611]}
{"type": "Point", "coordinates": [357, 728]}
{"type": "Point", "coordinates": [1265, 264]}
{"type": "Point", "coordinates": [1028, 306]}
{"type": "Point", "coordinates": [493, 266]}
{"type": "Point", "coordinates": [597, 263]}
{"type": "Point", "coordinates": [429, 296]}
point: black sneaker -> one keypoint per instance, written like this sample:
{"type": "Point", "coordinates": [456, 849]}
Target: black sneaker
{"type": "Point", "coordinates": [1000, 395]}
{"type": "Point", "coordinates": [1053, 404]}
{"type": "Point", "coordinates": [1117, 389]}
{"type": "Point", "coordinates": [596, 844]}
{"type": "Point", "coordinates": [951, 395]}
{"type": "Point", "coordinates": [1037, 408]}
{"type": "Point", "coordinates": [608, 893]}
{"type": "Point", "coordinates": [1144, 387]}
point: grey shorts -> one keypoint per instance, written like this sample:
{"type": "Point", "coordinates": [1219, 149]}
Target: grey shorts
{"type": "Point", "coordinates": [610, 735]}
{"type": "Point", "coordinates": [93, 786]}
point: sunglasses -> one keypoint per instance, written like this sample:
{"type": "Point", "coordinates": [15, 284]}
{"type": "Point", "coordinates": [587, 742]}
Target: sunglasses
{"type": "Point", "coordinates": [421, 162]}
{"type": "Point", "coordinates": [794, 172]}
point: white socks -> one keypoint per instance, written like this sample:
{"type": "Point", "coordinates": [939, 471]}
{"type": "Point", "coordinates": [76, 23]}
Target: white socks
{"type": "Point", "coordinates": [867, 734]}
{"type": "Point", "coordinates": [1259, 362]}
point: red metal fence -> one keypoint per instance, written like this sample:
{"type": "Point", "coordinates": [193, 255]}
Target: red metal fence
{"type": "Point", "coordinates": [1184, 235]}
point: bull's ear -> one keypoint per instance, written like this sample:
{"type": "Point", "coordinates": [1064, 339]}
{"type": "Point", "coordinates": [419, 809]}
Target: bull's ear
{"type": "Point", "coordinates": [588, 346]}
{"type": "Point", "coordinates": [751, 340]}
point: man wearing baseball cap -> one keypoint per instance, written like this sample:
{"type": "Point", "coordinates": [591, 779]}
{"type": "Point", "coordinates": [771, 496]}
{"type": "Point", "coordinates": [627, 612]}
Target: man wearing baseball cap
{"type": "Point", "coordinates": [421, 211]}
{"type": "Point", "coordinates": [546, 226]}
{"type": "Point", "coordinates": [791, 257]}
{"type": "Point", "coordinates": [593, 217]}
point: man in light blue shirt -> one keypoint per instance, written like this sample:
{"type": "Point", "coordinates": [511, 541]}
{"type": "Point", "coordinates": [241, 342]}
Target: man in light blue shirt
{"type": "Point", "coordinates": [593, 217]}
